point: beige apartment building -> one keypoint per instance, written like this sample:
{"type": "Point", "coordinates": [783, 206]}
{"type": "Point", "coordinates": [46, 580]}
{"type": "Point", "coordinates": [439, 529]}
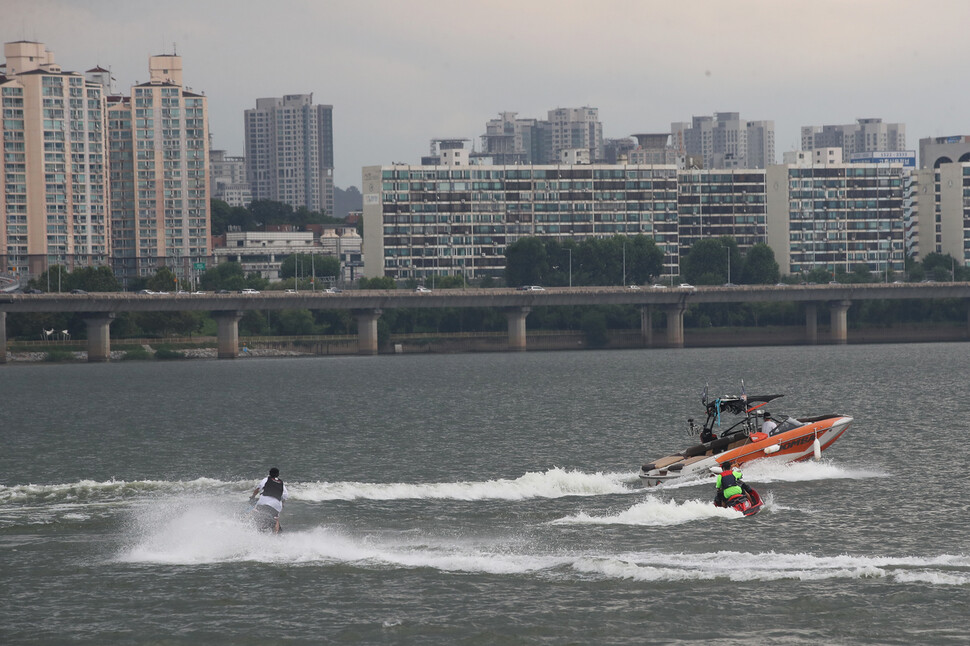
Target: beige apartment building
{"type": "Point", "coordinates": [159, 164]}
{"type": "Point", "coordinates": [53, 196]}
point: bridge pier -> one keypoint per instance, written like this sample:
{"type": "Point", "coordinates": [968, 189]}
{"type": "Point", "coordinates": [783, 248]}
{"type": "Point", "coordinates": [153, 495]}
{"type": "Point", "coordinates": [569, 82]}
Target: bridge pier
{"type": "Point", "coordinates": [811, 323]}
{"type": "Point", "coordinates": [227, 331]}
{"type": "Point", "coordinates": [646, 326]}
{"type": "Point", "coordinates": [3, 337]}
{"type": "Point", "coordinates": [516, 318]}
{"type": "Point", "coordinates": [99, 337]}
{"type": "Point", "coordinates": [367, 331]}
{"type": "Point", "coordinates": [675, 324]}
{"type": "Point", "coordinates": [839, 326]}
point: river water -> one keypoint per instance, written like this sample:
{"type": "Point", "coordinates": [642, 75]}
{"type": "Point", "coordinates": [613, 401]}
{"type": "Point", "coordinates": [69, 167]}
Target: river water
{"type": "Point", "coordinates": [479, 499]}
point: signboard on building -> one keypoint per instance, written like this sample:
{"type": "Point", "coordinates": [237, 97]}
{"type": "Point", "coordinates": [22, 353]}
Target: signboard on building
{"type": "Point", "coordinates": [905, 157]}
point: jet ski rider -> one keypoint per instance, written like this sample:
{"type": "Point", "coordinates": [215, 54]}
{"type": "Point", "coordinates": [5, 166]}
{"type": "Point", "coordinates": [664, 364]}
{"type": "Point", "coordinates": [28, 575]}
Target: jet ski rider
{"type": "Point", "coordinates": [272, 492]}
{"type": "Point", "coordinates": [729, 484]}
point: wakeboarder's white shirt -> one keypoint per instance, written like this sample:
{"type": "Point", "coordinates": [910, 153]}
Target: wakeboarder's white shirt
{"type": "Point", "coordinates": [270, 501]}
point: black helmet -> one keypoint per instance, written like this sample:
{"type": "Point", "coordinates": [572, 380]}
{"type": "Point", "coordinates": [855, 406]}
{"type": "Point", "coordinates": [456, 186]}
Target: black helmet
{"type": "Point", "coordinates": [767, 415]}
{"type": "Point", "coordinates": [274, 472]}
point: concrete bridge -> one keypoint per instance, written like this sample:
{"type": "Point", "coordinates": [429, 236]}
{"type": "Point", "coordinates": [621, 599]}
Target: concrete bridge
{"type": "Point", "coordinates": [99, 309]}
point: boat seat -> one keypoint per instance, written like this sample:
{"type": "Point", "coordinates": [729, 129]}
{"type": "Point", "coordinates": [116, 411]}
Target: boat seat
{"type": "Point", "coordinates": [666, 462]}
{"type": "Point", "coordinates": [663, 463]}
{"type": "Point", "coordinates": [680, 465]}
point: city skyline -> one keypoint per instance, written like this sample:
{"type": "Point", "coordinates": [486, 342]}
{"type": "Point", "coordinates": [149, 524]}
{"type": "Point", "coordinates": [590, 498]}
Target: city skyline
{"type": "Point", "coordinates": [401, 74]}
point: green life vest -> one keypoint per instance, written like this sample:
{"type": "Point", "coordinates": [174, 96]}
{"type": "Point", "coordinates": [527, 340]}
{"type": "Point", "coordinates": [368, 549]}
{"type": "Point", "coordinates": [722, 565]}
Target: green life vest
{"type": "Point", "coordinates": [729, 484]}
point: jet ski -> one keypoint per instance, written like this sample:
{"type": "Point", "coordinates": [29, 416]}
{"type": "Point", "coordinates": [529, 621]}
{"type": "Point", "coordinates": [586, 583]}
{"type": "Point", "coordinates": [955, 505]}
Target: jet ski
{"type": "Point", "coordinates": [749, 503]}
{"type": "Point", "coordinates": [723, 439]}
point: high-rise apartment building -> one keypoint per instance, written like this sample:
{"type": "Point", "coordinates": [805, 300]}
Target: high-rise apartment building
{"type": "Point", "coordinates": [54, 190]}
{"type": "Point", "coordinates": [227, 178]}
{"type": "Point", "coordinates": [726, 141]}
{"type": "Point", "coordinates": [289, 151]}
{"type": "Point", "coordinates": [570, 128]}
{"type": "Point", "coordinates": [509, 140]}
{"type": "Point", "coordinates": [864, 136]}
{"type": "Point", "coordinates": [721, 202]}
{"type": "Point", "coordinates": [159, 160]}
{"type": "Point", "coordinates": [837, 215]}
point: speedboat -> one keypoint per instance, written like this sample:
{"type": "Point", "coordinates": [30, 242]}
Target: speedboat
{"type": "Point", "coordinates": [792, 440]}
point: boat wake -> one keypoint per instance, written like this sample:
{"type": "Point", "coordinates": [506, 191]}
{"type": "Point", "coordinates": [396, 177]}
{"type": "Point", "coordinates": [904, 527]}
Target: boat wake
{"type": "Point", "coordinates": [554, 483]}
{"type": "Point", "coordinates": [655, 512]}
{"type": "Point", "coordinates": [767, 471]}
{"type": "Point", "coordinates": [652, 513]}
{"type": "Point", "coordinates": [200, 536]}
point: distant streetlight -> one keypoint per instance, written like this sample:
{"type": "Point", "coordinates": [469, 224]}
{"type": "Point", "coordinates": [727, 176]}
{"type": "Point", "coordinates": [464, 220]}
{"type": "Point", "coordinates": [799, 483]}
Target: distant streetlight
{"type": "Point", "coordinates": [624, 262]}
{"type": "Point", "coordinates": [570, 252]}
{"type": "Point", "coordinates": [889, 251]}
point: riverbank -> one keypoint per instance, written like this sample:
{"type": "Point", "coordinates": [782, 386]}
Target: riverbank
{"type": "Point", "coordinates": [467, 342]}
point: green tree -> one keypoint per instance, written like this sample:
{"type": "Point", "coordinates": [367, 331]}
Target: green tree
{"type": "Point", "coordinates": [270, 212]}
{"type": "Point", "coordinates": [526, 262]}
{"type": "Point", "coordinates": [644, 259]}
{"type": "Point", "coordinates": [219, 216]}
{"type": "Point", "coordinates": [454, 281]}
{"type": "Point", "coordinates": [309, 265]}
{"type": "Point", "coordinates": [378, 282]}
{"type": "Point", "coordinates": [163, 280]}
{"type": "Point", "coordinates": [227, 275]}
{"type": "Point", "coordinates": [95, 279]}
{"type": "Point", "coordinates": [706, 262]}
{"type": "Point", "coordinates": [760, 266]}
{"type": "Point", "coordinates": [295, 322]}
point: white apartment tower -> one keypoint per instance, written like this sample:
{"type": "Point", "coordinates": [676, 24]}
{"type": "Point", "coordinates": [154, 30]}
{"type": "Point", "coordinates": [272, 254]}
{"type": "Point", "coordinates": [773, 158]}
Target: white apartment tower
{"type": "Point", "coordinates": [53, 195]}
{"type": "Point", "coordinates": [289, 151]}
{"type": "Point", "coordinates": [726, 141]}
{"type": "Point", "coordinates": [227, 178]}
{"type": "Point", "coordinates": [159, 162]}
{"type": "Point", "coordinates": [866, 135]}
{"type": "Point", "coordinates": [570, 128]}
{"type": "Point", "coordinates": [509, 140]}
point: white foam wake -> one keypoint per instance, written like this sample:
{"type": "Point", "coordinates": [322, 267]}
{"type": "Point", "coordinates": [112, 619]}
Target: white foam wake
{"type": "Point", "coordinates": [94, 491]}
{"type": "Point", "coordinates": [771, 566]}
{"type": "Point", "coordinates": [774, 471]}
{"type": "Point", "coordinates": [554, 483]}
{"type": "Point", "coordinates": [770, 470]}
{"type": "Point", "coordinates": [179, 536]}
{"type": "Point", "coordinates": [653, 512]}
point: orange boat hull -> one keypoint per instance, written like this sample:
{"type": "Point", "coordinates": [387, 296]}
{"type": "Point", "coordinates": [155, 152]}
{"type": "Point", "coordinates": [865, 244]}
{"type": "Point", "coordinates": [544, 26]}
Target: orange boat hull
{"type": "Point", "coordinates": [793, 445]}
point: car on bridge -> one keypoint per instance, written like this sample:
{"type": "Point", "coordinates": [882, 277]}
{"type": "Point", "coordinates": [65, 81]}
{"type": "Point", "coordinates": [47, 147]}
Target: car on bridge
{"type": "Point", "coordinates": [422, 289]}
{"type": "Point", "coordinates": [532, 288]}
{"type": "Point", "coordinates": [249, 290]}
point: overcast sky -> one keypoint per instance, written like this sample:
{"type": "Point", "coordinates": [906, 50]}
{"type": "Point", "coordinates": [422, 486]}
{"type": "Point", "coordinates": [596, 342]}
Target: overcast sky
{"type": "Point", "coordinates": [401, 73]}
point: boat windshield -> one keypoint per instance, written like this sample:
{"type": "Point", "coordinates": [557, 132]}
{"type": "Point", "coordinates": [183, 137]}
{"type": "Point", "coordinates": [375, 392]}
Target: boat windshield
{"type": "Point", "coordinates": [787, 425]}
